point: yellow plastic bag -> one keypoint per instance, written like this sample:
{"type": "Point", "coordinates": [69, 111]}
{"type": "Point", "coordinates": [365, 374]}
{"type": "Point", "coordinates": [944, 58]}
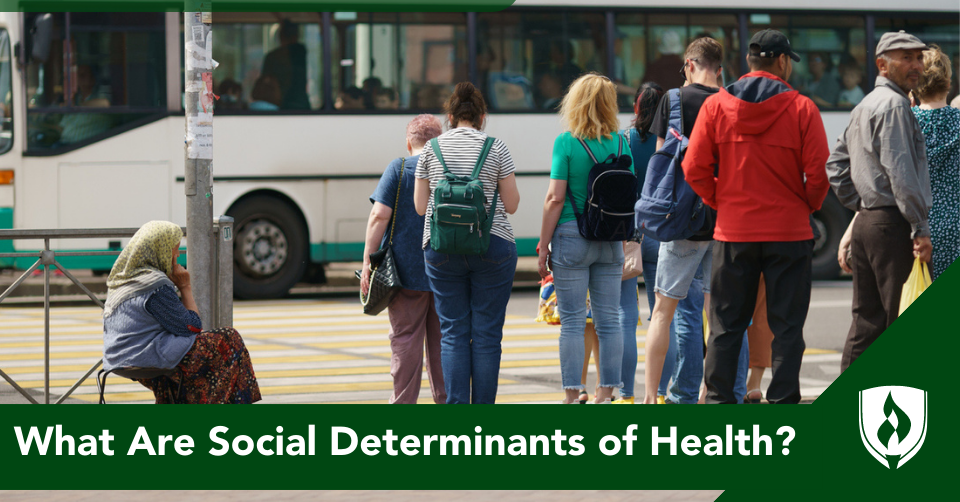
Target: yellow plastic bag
{"type": "Point", "coordinates": [918, 281]}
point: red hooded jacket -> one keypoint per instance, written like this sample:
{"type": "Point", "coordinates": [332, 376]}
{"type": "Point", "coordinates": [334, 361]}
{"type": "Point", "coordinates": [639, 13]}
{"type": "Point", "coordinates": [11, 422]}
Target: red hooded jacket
{"type": "Point", "coordinates": [771, 149]}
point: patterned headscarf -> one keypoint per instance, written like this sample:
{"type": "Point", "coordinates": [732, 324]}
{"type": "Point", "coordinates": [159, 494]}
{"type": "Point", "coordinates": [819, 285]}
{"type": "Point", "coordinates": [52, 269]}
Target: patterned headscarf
{"type": "Point", "coordinates": [144, 264]}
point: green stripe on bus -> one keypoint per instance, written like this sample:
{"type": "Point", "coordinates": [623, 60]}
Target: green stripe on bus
{"type": "Point", "coordinates": [6, 246]}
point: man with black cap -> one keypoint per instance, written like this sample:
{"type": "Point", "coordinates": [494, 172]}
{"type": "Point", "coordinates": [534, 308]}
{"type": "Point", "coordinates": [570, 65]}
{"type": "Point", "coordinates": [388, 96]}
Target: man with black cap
{"type": "Point", "coordinates": [879, 168]}
{"type": "Point", "coordinates": [770, 146]}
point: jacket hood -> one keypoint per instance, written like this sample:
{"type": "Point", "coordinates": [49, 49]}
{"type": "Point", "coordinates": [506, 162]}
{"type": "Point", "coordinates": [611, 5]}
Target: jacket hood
{"type": "Point", "coordinates": [756, 101]}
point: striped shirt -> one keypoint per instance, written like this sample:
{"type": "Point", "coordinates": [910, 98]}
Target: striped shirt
{"type": "Point", "coordinates": [460, 148]}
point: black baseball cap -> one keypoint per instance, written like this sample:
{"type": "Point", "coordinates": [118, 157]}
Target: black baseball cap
{"type": "Point", "coordinates": [771, 44]}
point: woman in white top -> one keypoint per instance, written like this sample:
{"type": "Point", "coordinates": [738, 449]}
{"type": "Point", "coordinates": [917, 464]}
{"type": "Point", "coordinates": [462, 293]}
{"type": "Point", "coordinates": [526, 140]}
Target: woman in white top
{"type": "Point", "coordinates": [471, 291]}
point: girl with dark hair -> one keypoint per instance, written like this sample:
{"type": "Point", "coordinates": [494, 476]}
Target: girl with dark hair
{"type": "Point", "coordinates": [471, 291]}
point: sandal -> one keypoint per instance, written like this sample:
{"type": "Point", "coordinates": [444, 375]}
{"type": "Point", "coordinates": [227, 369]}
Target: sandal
{"type": "Point", "coordinates": [584, 397]}
{"type": "Point", "coordinates": [749, 400]}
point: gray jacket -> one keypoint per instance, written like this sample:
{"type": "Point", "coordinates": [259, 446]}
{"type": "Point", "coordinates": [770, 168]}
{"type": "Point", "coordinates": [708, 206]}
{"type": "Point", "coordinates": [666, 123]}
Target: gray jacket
{"type": "Point", "coordinates": [881, 159]}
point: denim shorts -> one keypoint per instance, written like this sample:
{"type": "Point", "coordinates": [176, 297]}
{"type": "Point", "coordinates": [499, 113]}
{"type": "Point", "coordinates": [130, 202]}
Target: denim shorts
{"type": "Point", "coordinates": [679, 263]}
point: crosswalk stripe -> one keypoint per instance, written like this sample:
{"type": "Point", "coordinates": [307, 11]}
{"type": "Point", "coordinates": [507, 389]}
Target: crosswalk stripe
{"type": "Point", "coordinates": [302, 350]}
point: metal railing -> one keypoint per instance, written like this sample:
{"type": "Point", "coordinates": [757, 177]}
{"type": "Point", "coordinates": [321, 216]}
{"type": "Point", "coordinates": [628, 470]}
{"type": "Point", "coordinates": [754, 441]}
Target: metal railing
{"type": "Point", "coordinates": [222, 275]}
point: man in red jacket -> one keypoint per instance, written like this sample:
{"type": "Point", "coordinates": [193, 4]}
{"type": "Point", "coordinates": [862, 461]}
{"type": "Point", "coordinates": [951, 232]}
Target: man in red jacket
{"type": "Point", "coordinates": [771, 149]}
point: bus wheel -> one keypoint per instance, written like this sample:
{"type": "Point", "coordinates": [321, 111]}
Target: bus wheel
{"type": "Point", "coordinates": [270, 251]}
{"type": "Point", "coordinates": [831, 221]}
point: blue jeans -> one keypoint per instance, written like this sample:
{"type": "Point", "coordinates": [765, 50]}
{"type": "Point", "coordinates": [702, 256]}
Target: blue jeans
{"type": "Point", "coordinates": [629, 315]}
{"type": "Point", "coordinates": [471, 294]}
{"type": "Point", "coordinates": [579, 265]}
{"type": "Point", "coordinates": [688, 372]}
{"type": "Point", "coordinates": [649, 252]}
{"type": "Point", "coordinates": [743, 365]}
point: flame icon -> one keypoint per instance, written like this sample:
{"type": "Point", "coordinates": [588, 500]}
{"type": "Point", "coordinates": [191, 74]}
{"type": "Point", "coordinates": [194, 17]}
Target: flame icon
{"type": "Point", "coordinates": [893, 430]}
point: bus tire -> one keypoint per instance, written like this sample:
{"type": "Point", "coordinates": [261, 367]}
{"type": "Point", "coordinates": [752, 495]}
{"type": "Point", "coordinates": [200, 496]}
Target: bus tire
{"type": "Point", "coordinates": [270, 250]}
{"type": "Point", "coordinates": [831, 220]}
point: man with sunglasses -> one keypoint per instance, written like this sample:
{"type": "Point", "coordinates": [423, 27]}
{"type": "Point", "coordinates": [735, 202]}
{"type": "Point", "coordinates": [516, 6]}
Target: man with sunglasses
{"type": "Point", "coordinates": [683, 264]}
{"type": "Point", "coordinates": [772, 150]}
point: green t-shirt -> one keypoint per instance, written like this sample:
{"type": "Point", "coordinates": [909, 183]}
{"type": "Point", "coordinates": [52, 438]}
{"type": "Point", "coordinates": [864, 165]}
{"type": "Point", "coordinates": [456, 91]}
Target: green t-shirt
{"type": "Point", "coordinates": [572, 163]}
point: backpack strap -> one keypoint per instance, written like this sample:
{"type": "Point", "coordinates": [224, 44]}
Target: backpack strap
{"type": "Point", "coordinates": [587, 148]}
{"type": "Point", "coordinates": [676, 109]}
{"type": "Point", "coordinates": [436, 151]}
{"type": "Point", "coordinates": [396, 203]}
{"type": "Point", "coordinates": [483, 157]}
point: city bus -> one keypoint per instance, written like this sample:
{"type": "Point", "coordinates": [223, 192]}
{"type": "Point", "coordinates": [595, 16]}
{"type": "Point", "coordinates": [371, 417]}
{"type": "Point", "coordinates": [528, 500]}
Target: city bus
{"type": "Point", "coordinates": [312, 106]}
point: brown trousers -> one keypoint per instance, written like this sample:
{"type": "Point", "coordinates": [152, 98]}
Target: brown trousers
{"type": "Point", "coordinates": [882, 253]}
{"type": "Point", "coordinates": [414, 327]}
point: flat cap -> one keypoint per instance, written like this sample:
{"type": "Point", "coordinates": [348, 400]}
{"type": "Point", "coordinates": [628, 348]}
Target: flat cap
{"type": "Point", "coordinates": [898, 40]}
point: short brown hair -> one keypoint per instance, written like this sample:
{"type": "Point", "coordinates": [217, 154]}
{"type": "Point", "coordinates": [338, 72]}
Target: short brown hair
{"type": "Point", "coordinates": [935, 79]}
{"type": "Point", "coordinates": [707, 51]}
{"type": "Point", "coordinates": [466, 104]}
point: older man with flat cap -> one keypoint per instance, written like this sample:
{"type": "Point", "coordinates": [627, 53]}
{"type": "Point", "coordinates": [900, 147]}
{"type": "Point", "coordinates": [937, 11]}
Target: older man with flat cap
{"type": "Point", "coordinates": [879, 168]}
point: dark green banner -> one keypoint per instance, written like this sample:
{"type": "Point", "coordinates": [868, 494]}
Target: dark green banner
{"type": "Point", "coordinates": [256, 6]}
{"type": "Point", "coordinates": [857, 441]}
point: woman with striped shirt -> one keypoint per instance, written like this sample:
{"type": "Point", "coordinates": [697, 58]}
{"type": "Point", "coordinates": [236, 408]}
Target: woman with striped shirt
{"type": "Point", "coordinates": [470, 291]}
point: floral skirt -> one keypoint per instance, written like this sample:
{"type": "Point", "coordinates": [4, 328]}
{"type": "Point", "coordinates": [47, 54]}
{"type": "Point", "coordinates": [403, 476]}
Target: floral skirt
{"type": "Point", "coordinates": [216, 370]}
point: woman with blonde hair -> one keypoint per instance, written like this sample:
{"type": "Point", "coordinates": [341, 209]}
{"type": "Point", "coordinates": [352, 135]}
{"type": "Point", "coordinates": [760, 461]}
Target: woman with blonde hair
{"type": "Point", "coordinates": [589, 111]}
{"type": "Point", "coordinates": [941, 129]}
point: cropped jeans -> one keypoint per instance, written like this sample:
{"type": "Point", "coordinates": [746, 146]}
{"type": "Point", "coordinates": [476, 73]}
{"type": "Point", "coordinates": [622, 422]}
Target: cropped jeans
{"type": "Point", "coordinates": [471, 294]}
{"type": "Point", "coordinates": [579, 265]}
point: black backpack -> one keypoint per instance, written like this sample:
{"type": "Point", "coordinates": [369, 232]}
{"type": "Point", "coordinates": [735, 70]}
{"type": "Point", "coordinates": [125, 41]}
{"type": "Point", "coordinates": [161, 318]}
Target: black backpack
{"type": "Point", "coordinates": [611, 194]}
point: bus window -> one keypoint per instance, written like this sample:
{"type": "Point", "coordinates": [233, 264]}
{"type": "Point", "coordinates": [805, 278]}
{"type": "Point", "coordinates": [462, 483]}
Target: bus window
{"type": "Point", "coordinates": [652, 47]}
{"type": "Point", "coordinates": [941, 31]}
{"type": "Point", "coordinates": [100, 71]}
{"type": "Point", "coordinates": [268, 61]}
{"type": "Point", "coordinates": [397, 61]}
{"type": "Point", "coordinates": [526, 60]}
{"type": "Point", "coordinates": [6, 94]}
{"type": "Point", "coordinates": [833, 56]}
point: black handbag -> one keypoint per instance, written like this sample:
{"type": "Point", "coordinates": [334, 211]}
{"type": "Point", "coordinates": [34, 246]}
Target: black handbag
{"type": "Point", "coordinates": [384, 279]}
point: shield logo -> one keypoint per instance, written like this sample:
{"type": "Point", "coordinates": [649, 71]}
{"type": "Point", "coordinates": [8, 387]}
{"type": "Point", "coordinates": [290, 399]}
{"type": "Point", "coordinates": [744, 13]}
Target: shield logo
{"type": "Point", "coordinates": [893, 423]}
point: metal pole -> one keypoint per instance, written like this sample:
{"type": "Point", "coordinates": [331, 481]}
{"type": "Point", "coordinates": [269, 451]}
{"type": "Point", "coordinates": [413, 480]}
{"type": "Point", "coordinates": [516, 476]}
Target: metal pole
{"type": "Point", "coordinates": [225, 271]}
{"type": "Point", "coordinates": [198, 175]}
{"type": "Point", "coordinates": [46, 257]}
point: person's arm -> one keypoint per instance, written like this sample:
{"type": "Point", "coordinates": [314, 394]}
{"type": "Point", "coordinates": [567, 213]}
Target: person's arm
{"type": "Point", "coordinates": [421, 187]}
{"type": "Point", "coordinates": [552, 207]}
{"type": "Point", "coordinates": [702, 155]}
{"type": "Point", "coordinates": [377, 226]}
{"type": "Point", "coordinates": [844, 250]}
{"type": "Point", "coordinates": [838, 173]}
{"type": "Point", "coordinates": [421, 195]}
{"type": "Point", "coordinates": [181, 279]}
{"type": "Point", "coordinates": [172, 313]}
{"type": "Point", "coordinates": [813, 157]}
{"type": "Point", "coordinates": [553, 204]}
{"type": "Point", "coordinates": [900, 159]}
{"type": "Point", "coordinates": [507, 180]}
{"type": "Point", "coordinates": [509, 193]}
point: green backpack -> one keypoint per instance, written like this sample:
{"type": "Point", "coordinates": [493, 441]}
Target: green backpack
{"type": "Point", "coordinates": [460, 223]}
